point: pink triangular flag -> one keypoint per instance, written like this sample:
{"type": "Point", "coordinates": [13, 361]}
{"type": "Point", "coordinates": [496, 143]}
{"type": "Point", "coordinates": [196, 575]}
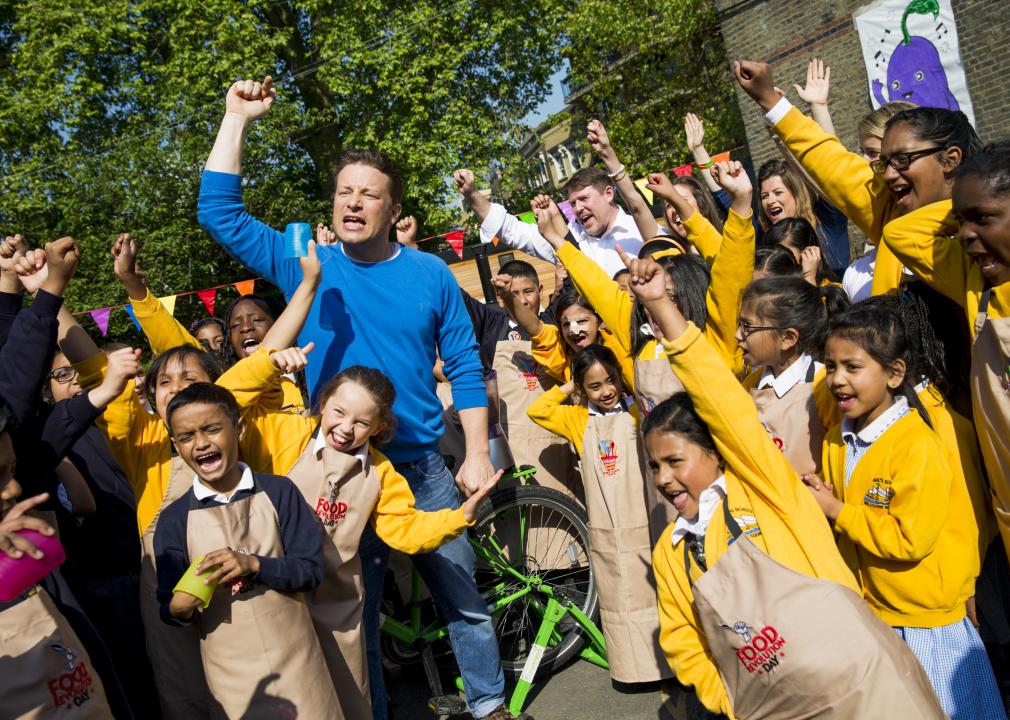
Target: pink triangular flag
{"type": "Point", "coordinates": [455, 240]}
{"type": "Point", "coordinates": [101, 318]}
{"type": "Point", "coordinates": [683, 170]}
{"type": "Point", "coordinates": [246, 287]}
{"type": "Point", "coordinates": [208, 298]}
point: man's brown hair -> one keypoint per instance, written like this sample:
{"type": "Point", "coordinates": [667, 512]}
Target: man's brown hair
{"type": "Point", "coordinates": [586, 177]}
{"type": "Point", "coordinates": [380, 161]}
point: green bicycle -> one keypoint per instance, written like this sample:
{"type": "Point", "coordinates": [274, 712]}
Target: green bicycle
{"type": "Point", "coordinates": [533, 569]}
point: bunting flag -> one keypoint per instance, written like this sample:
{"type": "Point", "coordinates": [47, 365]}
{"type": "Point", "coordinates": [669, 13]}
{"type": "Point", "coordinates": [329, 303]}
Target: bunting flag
{"type": "Point", "coordinates": [208, 298]}
{"type": "Point", "coordinates": [643, 187]}
{"type": "Point", "coordinates": [169, 303]}
{"type": "Point", "coordinates": [566, 210]}
{"type": "Point", "coordinates": [529, 217]}
{"type": "Point", "coordinates": [101, 318]}
{"type": "Point", "coordinates": [683, 170]}
{"type": "Point", "coordinates": [246, 287]}
{"type": "Point", "coordinates": [455, 240]}
{"type": "Point", "coordinates": [721, 157]}
{"type": "Point", "coordinates": [129, 311]}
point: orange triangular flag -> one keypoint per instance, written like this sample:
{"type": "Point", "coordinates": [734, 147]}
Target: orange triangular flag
{"type": "Point", "coordinates": [721, 157]}
{"type": "Point", "coordinates": [246, 287]}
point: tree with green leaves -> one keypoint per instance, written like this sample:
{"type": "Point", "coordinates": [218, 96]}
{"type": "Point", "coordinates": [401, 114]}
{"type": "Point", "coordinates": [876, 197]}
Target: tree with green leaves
{"type": "Point", "coordinates": [111, 109]}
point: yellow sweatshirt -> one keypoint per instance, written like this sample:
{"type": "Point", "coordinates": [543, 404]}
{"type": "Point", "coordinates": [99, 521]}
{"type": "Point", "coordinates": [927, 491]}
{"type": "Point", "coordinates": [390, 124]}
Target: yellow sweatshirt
{"type": "Point", "coordinates": [907, 528]}
{"type": "Point", "coordinates": [567, 421]}
{"type": "Point", "coordinates": [164, 332]}
{"type": "Point", "coordinates": [703, 235]}
{"type": "Point", "coordinates": [849, 184]}
{"type": "Point", "coordinates": [139, 440]}
{"type": "Point", "coordinates": [958, 436]}
{"type": "Point", "coordinates": [552, 352]}
{"type": "Point", "coordinates": [732, 271]}
{"type": "Point", "coordinates": [765, 496]}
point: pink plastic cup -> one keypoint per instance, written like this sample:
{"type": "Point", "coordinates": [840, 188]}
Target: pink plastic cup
{"type": "Point", "coordinates": [19, 574]}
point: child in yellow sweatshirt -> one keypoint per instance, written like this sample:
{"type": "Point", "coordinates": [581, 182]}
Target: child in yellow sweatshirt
{"type": "Point", "coordinates": [750, 553]}
{"type": "Point", "coordinates": [903, 517]}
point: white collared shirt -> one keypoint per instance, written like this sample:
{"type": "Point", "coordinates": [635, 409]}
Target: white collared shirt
{"type": "Point", "coordinates": [707, 505]}
{"type": "Point", "coordinates": [602, 250]}
{"type": "Point", "coordinates": [857, 443]}
{"type": "Point", "coordinates": [202, 492]}
{"type": "Point", "coordinates": [788, 378]}
{"type": "Point", "coordinates": [857, 282]}
{"type": "Point", "coordinates": [624, 406]}
{"type": "Point", "coordinates": [361, 453]}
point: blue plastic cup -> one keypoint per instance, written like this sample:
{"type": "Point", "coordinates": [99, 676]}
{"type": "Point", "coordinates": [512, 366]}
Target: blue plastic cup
{"type": "Point", "coordinates": [296, 239]}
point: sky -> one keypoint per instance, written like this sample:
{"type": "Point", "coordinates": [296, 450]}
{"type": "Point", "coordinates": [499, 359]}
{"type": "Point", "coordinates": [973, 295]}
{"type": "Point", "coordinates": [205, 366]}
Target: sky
{"type": "Point", "coordinates": [555, 102]}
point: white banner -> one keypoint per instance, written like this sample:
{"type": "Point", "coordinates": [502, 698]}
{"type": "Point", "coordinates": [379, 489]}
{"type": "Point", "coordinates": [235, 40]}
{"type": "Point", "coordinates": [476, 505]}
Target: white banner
{"type": "Point", "coordinates": [911, 53]}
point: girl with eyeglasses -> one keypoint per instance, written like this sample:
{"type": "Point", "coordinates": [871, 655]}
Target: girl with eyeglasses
{"type": "Point", "coordinates": [781, 330]}
{"type": "Point", "coordinates": [919, 152]}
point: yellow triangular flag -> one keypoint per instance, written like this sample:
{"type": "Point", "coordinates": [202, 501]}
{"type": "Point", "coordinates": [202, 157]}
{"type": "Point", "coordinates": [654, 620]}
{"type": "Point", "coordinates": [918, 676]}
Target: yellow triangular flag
{"type": "Point", "coordinates": [169, 302]}
{"type": "Point", "coordinates": [642, 185]}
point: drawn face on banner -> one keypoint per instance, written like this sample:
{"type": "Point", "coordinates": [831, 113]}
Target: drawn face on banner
{"type": "Point", "coordinates": [916, 75]}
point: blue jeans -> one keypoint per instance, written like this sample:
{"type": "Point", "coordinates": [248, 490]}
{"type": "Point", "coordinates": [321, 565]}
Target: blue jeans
{"type": "Point", "coordinates": [448, 573]}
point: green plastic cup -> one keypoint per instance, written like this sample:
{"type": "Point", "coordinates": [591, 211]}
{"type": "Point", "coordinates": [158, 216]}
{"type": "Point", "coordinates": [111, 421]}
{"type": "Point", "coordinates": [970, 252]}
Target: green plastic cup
{"type": "Point", "coordinates": [193, 584]}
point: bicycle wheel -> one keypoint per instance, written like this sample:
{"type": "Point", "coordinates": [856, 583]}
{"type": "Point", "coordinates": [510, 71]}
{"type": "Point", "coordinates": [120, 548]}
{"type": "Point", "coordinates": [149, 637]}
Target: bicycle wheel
{"type": "Point", "coordinates": [543, 537]}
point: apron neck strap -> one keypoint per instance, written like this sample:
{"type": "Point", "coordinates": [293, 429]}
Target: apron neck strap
{"type": "Point", "coordinates": [731, 523]}
{"type": "Point", "coordinates": [983, 302]}
{"type": "Point", "coordinates": [694, 545]}
{"type": "Point", "coordinates": [811, 371]}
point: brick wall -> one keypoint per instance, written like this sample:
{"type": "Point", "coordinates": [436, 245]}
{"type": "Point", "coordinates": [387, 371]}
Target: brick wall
{"type": "Point", "coordinates": [788, 33]}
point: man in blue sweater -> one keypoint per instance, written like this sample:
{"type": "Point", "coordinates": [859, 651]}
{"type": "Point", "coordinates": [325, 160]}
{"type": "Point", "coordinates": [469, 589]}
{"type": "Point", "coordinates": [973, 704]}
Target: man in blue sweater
{"type": "Point", "coordinates": [385, 306]}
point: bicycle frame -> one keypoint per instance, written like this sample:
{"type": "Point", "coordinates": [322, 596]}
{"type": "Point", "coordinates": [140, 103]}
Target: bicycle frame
{"type": "Point", "coordinates": [556, 608]}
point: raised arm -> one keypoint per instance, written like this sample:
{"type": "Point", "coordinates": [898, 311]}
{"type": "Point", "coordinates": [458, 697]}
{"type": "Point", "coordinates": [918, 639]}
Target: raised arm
{"type": "Point", "coordinates": [221, 211]}
{"type": "Point", "coordinates": [720, 400]}
{"type": "Point", "coordinates": [694, 131]}
{"type": "Point", "coordinates": [527, 317]}
{"type": "Point", "coordinates": [815, 94]}
{"type": "Point", "coordinates": [599, 141]}
{"type": "Point", "coordinates": [925, 242]}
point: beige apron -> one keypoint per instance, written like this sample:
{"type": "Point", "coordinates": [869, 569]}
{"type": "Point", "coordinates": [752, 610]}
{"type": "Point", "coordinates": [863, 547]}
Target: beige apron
{"type": "Point", "coordinates": [343, 496]}
{"type": "Point", "coordinates": [626, 518]}
{"type": "Point", "coordinates": [791, 646]}
{"type": "Point", "coordinates": [655, 381]}
{"type": "Point", "coordinates": [799, 441]}
{"type": "Point", "coordinates": [47, 672]}
{"type": "Point", "coordinates": [259, 650]}
{"type": "Point", "coordinates": [174, 651]}
{"type": "Point", "coordinates": [990, 396]}
{"type": "Point", "coordinates": [452, 444]}
{"type": "Point", "coordinates": [521, 380]}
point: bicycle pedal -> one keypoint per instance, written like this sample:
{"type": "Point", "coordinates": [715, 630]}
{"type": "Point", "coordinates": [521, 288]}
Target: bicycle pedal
{"type": "Point", "coordinates": [445, 705]}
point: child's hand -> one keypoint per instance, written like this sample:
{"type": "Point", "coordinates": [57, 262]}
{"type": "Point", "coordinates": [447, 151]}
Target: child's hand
{"type": "Point", "coordinates": [756, 79]}
{"type": "Point", "coordinates": [810, 261]}
{"type": "Point", "coordinates": [127, 267]}
{"type": "Point", "coordinates": [61, 260]}
{"type": "Point", "coordinates": [464, 181]}
{"type": "Point", "coordinates": [406, 231]}
{"type": "Point", "coordinates": [823, 494]}
{"type": "Point", "coordinates": [183, 605]}
{"type": "Point", "coordinates": [818, 84]}
{"type": "Point", "coordinates": [732, 178]}
{"type": "Point", "coordinates": [124, 366]}
{"type": "Point", "coordinates": [648, 279]}
{"type": "Point", "coordinates": [233, 565]}
{"type": "Point", "coordinates": [31, 269]}
{"type": "Point", "coordinates": [325, 236]}
{"type": "Point", "coordinates": [568, 388]}
{"type": "Point", "coordinates": [662, 186]}
{"type": "Point", "coordinates": [312, 269]}
{"type": "Point", "coordinates": [12, 247]}
{"type": "Point", "coordinates": [503, 284]}
{"type": "Point", "coordinates": [560, 275]}
{"type": "Point", "coordinates": [15, 545]}
{"type": "Point", "coordinates": [694, 131]}
{"type": "Point", "coordinates": [469, 507]}
{"type": "Point", "coordinates": [251, 99]}
{"type": "Point", "coordinates": [293, 359]}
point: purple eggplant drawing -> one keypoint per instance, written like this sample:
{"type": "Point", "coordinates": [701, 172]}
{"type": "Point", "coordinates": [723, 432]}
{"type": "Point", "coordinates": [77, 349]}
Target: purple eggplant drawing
{"type": "Point", "coordinates": [914, 71]}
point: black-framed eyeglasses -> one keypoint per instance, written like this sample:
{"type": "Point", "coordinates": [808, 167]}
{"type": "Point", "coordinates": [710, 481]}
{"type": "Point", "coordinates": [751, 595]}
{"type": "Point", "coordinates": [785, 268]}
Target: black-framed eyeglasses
{"type": "Point", "coordinates": [746, 329]}
{"type": "Point", "coordinates": [900, 161]}
{"type": "Point", "coordinates": [63, 375]}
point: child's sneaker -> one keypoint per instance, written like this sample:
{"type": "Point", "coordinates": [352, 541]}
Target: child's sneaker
{"type": "Point", "coordinates": [502, 713]}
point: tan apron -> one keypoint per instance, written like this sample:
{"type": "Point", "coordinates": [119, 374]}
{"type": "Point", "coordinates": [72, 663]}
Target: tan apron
{"type": "Point", "coordinates": [655, 381]}
{"type": "Point", "coordinates": [990, 397]}
{"type": "Point", "coordinates": [174, 651]}
{"type": "Point", "coordinates": [626, 518]}
{"type": "Point", "coordinates": [792, 646]}
{"type": "Point", "coordinates": [344, 497]}
{"type": "Point", "coordinates": [799, 441]}
{"type": "Point", "coordinates": [452, 444]}
{"type": "Point", "coordinates": [47, 672]}
{"type": "Point", "coordinates": [259, 650]}
{"type": "Point", "coordinates": [521, 380]}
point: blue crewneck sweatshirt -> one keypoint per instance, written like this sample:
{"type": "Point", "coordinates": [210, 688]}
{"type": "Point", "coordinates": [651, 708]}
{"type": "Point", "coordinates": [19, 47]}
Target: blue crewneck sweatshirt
{"type": "Point", "coordinates": [389, 315]}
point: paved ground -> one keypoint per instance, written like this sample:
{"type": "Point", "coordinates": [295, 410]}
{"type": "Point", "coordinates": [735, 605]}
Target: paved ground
{"type": "Point", "coordinates": [581, 691]}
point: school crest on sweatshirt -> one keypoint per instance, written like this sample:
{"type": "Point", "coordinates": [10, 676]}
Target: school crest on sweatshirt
{"type": "Point", "coordinates": [880, 494]}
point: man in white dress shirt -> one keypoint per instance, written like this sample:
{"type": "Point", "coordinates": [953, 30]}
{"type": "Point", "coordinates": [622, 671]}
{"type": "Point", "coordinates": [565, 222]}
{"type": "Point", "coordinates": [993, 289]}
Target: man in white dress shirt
{"type": "Point", "coordinates": [600, 225]}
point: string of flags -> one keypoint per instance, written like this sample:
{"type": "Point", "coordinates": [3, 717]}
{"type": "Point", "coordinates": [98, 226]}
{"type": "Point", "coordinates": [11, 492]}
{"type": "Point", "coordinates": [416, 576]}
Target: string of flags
{"type": "Point", "coordinates": [208, 297]}
{"type": "Point", "coordinates": [453, 237]}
